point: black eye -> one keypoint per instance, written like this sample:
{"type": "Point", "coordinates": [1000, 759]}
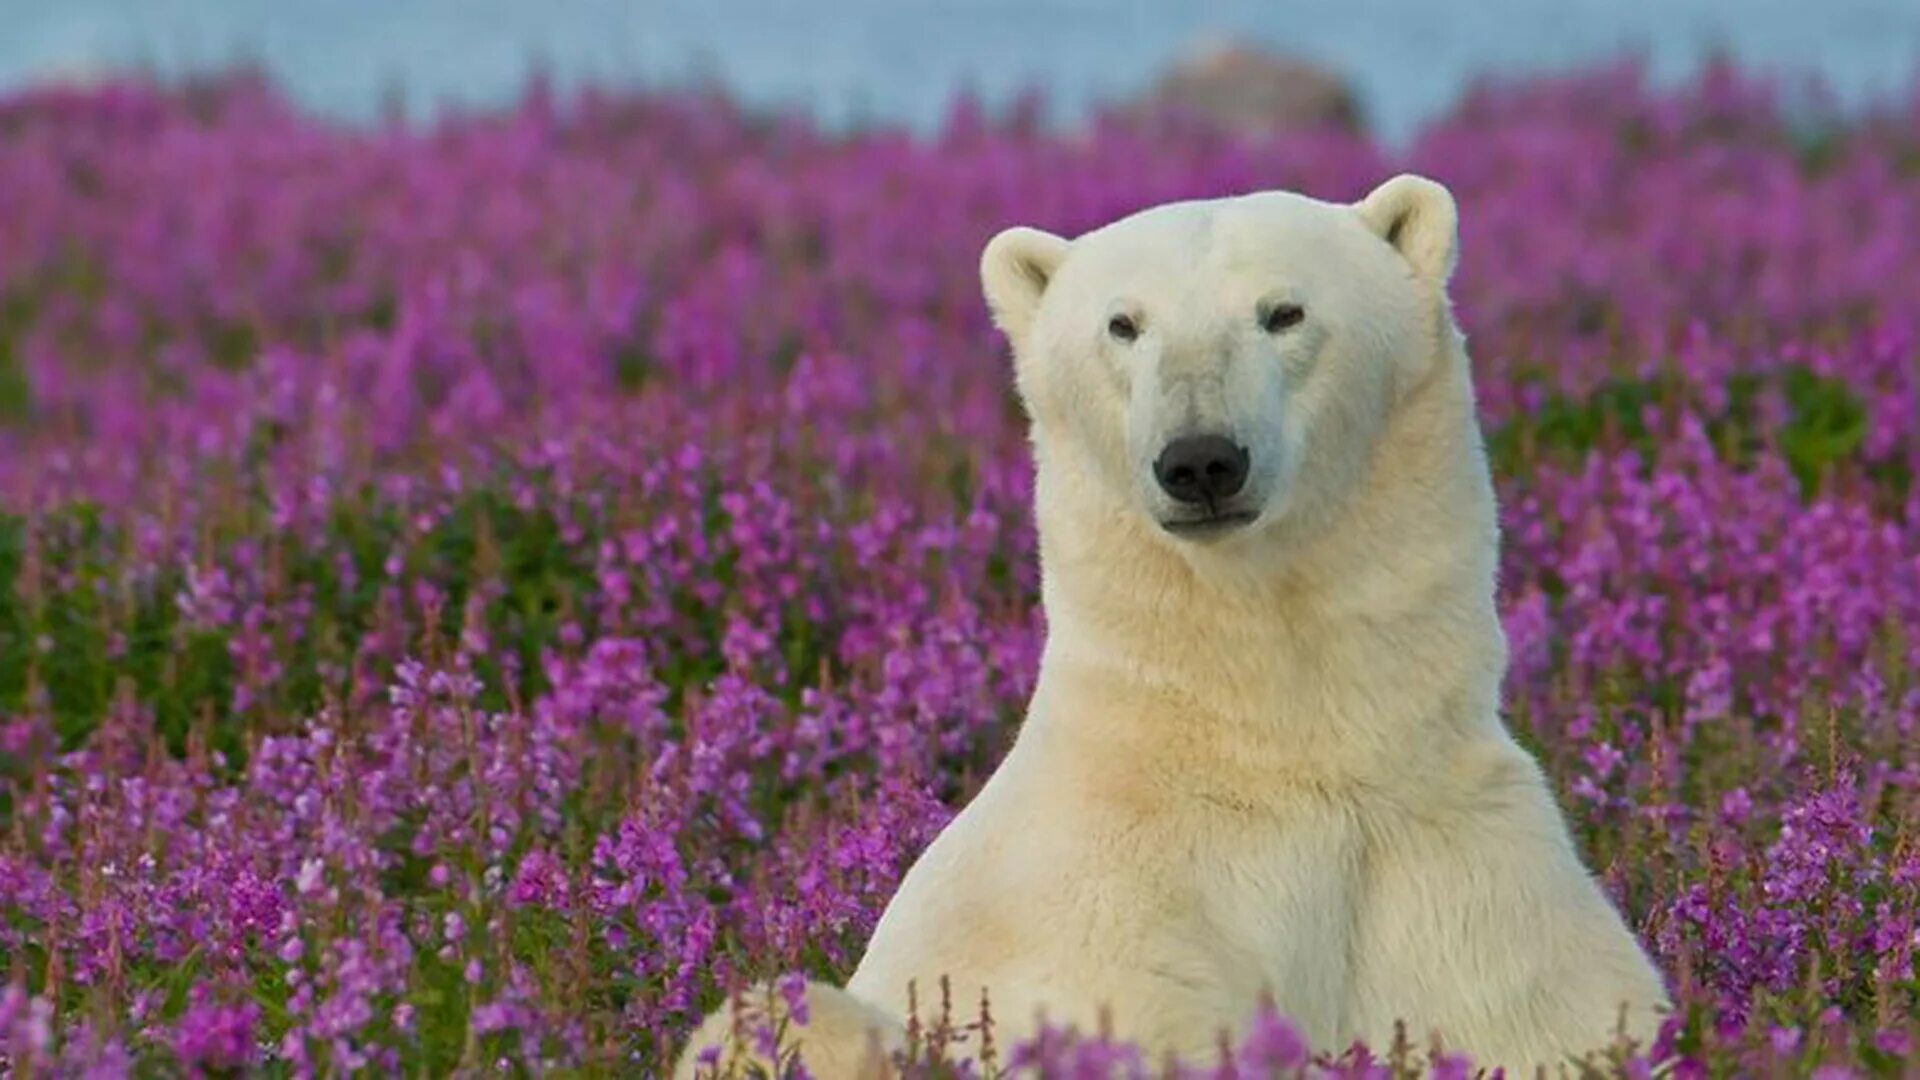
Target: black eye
{"type": "Point", "coordinates": [1123, 328]}
{"type": "Point", "coordinates": [1281, 317]}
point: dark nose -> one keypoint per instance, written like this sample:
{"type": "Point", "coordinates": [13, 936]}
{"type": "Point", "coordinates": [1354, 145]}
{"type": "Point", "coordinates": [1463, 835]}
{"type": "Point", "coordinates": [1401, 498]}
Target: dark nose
{"type": "Point", "coordinates": [1202, 468]}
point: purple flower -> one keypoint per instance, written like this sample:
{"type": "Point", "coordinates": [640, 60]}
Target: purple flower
{"type": "Point", "coordinates": [215, 1036]}
{"type": "Point", "coordinates": [1272, 1044]}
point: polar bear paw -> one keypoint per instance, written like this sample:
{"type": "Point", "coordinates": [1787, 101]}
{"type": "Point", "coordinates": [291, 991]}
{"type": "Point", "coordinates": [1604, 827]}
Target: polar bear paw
{"type": "Point", "coordinates": [834, 1034]}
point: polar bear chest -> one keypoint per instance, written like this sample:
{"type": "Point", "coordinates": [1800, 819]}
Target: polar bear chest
{"type": "Point", "coordinates": [1173, 919]}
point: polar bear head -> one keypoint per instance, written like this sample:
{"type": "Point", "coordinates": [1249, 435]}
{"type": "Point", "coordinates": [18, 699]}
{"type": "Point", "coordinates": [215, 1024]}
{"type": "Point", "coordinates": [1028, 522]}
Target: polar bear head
{"type": "Point", "coordinates": [1221, 372]}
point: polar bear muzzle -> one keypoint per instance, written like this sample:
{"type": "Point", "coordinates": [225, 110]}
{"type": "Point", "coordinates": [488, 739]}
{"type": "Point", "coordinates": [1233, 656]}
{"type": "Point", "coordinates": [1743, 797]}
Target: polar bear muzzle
{"type": "Point", "coordinates": [1203, 474]}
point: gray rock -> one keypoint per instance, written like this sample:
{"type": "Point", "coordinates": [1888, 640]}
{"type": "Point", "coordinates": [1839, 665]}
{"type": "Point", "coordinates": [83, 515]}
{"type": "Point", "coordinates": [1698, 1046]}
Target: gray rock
{"type": "Point", "coordinates": [1249, 91]}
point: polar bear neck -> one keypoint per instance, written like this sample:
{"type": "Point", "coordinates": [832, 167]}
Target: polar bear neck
{"type": "Point", "coordinates": [1376, 636]}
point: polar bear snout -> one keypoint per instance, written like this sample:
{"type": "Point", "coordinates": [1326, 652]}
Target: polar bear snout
{"type": "Point", "coordinates": [1204, 475]}
{"type": "Point", "coordinates": [1202, 470]}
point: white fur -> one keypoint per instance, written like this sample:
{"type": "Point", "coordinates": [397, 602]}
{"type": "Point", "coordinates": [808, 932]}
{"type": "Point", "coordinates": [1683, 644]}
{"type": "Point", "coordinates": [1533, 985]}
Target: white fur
{"type": "Point", "coordinates": [1269, 761]}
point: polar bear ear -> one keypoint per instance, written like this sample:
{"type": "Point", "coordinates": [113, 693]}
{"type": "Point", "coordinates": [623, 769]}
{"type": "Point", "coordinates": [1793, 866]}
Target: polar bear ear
{"type": "Point", "coordinates": [1014, 271]}
{"type": "Point", "coordinates": [1416, 216]}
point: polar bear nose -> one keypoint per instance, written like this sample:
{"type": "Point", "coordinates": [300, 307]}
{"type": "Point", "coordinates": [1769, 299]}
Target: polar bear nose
{"type": "Point", "coordinates": [1202, 468]}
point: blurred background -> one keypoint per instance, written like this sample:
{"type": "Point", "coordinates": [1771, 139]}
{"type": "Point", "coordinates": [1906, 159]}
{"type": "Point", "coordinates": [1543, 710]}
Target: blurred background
{"type": "Point", "coordinates": [865, 61]}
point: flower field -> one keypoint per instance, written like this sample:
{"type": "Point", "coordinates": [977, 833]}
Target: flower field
{"type": "Point", "coordinates": [472, 594]}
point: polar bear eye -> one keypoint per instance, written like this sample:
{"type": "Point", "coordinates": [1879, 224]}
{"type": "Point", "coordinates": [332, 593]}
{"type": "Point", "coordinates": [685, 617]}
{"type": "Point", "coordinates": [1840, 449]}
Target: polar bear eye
{"type": "Point", "coordinates": [1123, 328]}
{"type": "Point", "coordinates": [1281, 317]}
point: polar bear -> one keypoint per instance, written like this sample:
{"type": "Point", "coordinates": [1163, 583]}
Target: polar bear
{"type": "Point", "coordinates": [1264, 755]}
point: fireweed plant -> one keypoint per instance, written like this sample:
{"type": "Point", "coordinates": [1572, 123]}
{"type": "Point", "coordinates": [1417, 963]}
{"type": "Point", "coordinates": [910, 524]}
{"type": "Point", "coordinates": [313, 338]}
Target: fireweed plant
{"type": "Point", "coordinates": [472, 595]}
